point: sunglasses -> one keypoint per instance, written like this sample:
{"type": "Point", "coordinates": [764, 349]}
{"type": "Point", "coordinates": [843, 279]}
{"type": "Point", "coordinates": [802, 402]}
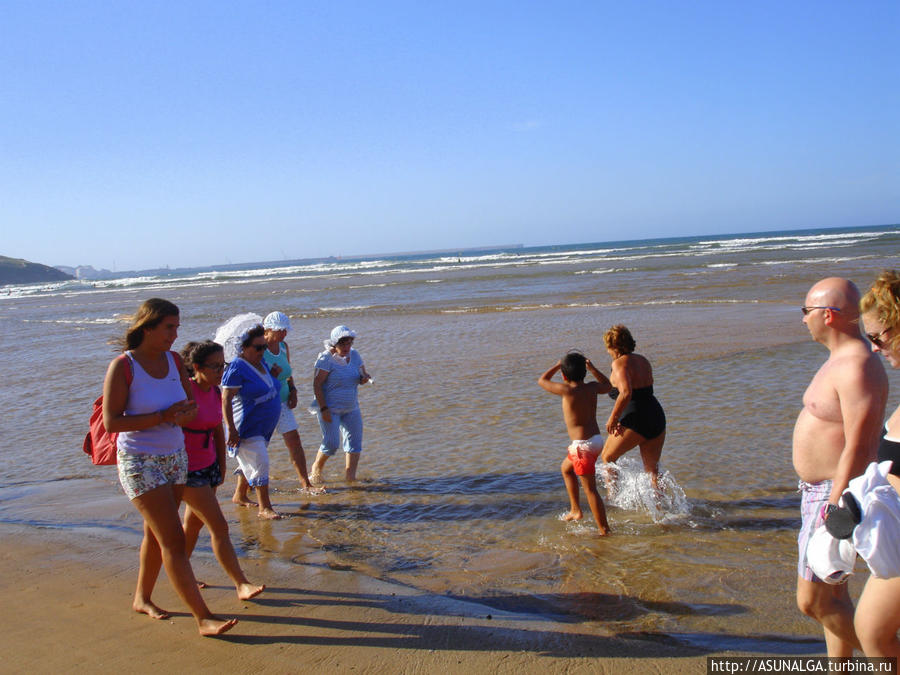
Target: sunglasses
{"type": "Point", "coordinates": [875, 338]}
{"type": "Point", "coordinates": [217, 367]}
{"type": "Point", "coordinates": [258, 348]}
{"type": "Point", "coordinates": [345, 341]}
{"type": "Point", "coordinates": [807, 309]}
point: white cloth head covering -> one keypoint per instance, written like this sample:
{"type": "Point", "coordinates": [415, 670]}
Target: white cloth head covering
{"type": "Point", "coordinates": [337, 333]}
{"type": "Point", "coordinates": [277, 321]}
{"type": "Point", "coordinates": [831, 559]}
{"type": "Point", "coordinates": [233, 332]}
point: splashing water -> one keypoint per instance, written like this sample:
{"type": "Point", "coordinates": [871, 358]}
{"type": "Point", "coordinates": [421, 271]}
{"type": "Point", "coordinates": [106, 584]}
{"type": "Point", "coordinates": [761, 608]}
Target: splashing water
{"type": "Point", "coordinates": [635, 493]}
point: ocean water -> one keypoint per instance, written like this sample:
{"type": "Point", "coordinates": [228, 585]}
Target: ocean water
{"type": "Point", "coordinates": [460, 491]}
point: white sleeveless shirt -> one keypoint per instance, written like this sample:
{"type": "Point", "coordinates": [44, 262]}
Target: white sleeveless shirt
{"type": "Point", "coordinates": [148, 394]}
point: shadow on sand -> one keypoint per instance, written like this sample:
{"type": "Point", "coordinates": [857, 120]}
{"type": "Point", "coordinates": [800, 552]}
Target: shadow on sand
{"type": "Point", "coordinates": [481, 634]}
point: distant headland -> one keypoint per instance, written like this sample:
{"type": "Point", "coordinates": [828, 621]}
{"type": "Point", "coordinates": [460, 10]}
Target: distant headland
{"type": "Point", "coordinates": [18, 271]}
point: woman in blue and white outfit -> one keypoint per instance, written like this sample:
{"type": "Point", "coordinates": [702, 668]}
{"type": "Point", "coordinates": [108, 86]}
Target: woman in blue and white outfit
{"type": "Point", "coordinates": [251, 408]}
{"type": "Point", "coordinates": [338, 373]}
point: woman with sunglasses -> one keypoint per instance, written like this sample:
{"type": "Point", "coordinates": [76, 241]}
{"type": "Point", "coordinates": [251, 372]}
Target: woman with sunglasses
{"type": "Point", "coordinates": [877, 617]}
{"type": "Point", "coordinates": [204, 441]}
{"type": "Point", "coordinates": [339, 371]}
{"type": "Point", "coordinates": [146, 401]}
{"type": "Point", "coordinates": [251, 407]}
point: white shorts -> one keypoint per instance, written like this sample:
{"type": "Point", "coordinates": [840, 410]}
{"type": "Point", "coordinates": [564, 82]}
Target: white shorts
{"type": "Point", "coordinates": [286, 422]}
{"type": "Point", "coordinates": [253, 459]}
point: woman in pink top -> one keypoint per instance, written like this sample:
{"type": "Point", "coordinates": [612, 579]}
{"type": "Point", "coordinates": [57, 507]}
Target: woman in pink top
{"type": "Point", "coordinates": [147, 411]}
{"type": "Point", "coordinates": [204, 440]}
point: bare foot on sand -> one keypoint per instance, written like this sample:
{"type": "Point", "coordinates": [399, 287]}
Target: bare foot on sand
{"type": "Point", "coordinates": [269, 514]}
{"type": "Point", "coordinates": [243, 501]}
{"type": "Point", "coordinates": [315, 478]}
{"type": "Point", "coordinates": [573, 515]}
{"type": "Point", "coordinates": [211, 627]}
{"type": "Point", "coordinates": [148, 608]}
{"type": "Point", "coordinates": [248, 590]}
{"type": "Point", "coordinates": [311, 490]}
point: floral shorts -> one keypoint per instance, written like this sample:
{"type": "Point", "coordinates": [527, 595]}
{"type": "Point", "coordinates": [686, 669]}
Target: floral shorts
{"type": "Point", "coordinates": [140, 472]}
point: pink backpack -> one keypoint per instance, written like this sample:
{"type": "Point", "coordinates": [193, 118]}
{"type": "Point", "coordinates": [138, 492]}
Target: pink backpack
{"type": "Point", "coordinates": [99, 443]}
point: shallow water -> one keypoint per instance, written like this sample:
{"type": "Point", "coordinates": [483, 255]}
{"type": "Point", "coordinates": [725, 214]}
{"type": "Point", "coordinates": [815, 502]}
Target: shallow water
{"type": "Point", "coordinates": [461, 492]}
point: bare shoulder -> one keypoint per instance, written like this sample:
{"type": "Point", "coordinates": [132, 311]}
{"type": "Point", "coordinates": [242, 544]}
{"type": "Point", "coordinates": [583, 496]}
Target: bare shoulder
{"type": "Point", "coordinates": [586, 389]}
{"type": "Point", "coordinates": [855, 368]}
{"type": "Point", "coordinates": [639, 360]}
{"type": "Point", "coordinates": [118, 366]}
{"type": "Point", "coordinates": [596, 388]}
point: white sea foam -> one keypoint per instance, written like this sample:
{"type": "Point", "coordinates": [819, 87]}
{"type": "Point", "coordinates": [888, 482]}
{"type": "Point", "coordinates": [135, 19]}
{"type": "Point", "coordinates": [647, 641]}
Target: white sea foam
{"type": "Point", "coordinates": [809, 261]}
{"type": "Point", "coordinates": [634, 492]}
{"type": "Point", "coordinates": [607, 258]}
{"type": "Point", "coordinates": [831, 237]}
{"type": "Point", "coordinates": [348, 308]}
{"type": "Point", "coordinates": [702, 301]}
{"type": "Point", "coordinates": [94, 321]}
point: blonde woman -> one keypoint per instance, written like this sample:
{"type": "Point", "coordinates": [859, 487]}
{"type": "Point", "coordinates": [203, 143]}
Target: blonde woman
{"type": "Point", "coordinates": [877, 618]}
{"type": "Point", "coordinates": [637, 419]}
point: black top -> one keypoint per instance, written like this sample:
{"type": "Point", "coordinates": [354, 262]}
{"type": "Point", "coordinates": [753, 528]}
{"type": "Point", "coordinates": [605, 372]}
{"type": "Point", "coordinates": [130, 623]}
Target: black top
{"type": "Point", "coordinates": [636, 394]}
{"type": "Point", "coordinates": [890, 450]}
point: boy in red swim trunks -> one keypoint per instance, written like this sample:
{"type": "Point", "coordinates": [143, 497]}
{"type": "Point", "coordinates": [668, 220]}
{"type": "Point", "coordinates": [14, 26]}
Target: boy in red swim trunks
{"type": "Point", "coordinates": [579, 404]}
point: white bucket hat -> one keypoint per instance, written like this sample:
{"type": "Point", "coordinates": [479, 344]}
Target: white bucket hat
{"type": "Point", "coordinates": [337, 333]}
{"type": "Point", "coordinates": [277, 321]}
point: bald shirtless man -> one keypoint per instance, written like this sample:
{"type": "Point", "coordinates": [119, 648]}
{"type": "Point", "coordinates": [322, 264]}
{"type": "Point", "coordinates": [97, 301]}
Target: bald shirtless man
{"type": "Point", "coordinates": [835, 438]}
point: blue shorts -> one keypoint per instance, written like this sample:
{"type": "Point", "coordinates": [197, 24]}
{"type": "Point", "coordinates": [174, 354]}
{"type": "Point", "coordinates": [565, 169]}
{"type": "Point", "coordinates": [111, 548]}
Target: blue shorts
{"type": "Point", "coordinates": [345, 430]}
{"type": "Point", "coordinates": [211, 476]}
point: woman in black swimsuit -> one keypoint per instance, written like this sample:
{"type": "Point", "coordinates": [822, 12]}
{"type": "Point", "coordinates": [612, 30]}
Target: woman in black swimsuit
{"type": "Point", "coordinates": [637, 418]}
{"type": "Point", "coordinates": [877, 618]}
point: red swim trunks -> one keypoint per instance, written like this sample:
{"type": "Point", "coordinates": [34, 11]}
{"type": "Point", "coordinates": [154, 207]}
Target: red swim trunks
{"type": "Point", "coordinates": [584, 454]}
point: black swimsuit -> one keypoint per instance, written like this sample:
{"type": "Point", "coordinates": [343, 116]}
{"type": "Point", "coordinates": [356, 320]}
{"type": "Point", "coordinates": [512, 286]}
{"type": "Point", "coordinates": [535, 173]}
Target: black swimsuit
{"type": "Point", "coordinates": [890, 450]}
{"type": "Point", "coordinates": [643, 414]}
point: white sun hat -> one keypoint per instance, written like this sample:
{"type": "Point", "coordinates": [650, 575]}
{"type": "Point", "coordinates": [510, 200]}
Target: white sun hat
{"type": "Point", "coordinates": [277, 321]}
{"type": "Point", "coordinates": [337, 333]}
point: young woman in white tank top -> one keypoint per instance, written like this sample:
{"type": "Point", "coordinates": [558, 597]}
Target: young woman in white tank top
{"type": "Point", "coordinates": [152, 463]}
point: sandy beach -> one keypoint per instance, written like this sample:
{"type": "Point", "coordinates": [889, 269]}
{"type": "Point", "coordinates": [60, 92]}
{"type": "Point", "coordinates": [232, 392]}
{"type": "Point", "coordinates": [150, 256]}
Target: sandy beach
{"type": "Point", "coordinates": [70, 611]}
{"type": "Point", "coordinates": [452, 554]}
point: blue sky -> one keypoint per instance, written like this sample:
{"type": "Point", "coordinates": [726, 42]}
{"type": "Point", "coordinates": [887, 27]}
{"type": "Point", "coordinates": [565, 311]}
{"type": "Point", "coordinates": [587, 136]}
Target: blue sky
{"type": "Point", "coordinates": [137, 135]}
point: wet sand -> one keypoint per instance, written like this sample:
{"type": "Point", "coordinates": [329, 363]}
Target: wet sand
{"type": "Point", "coordinates": [67, 608]}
